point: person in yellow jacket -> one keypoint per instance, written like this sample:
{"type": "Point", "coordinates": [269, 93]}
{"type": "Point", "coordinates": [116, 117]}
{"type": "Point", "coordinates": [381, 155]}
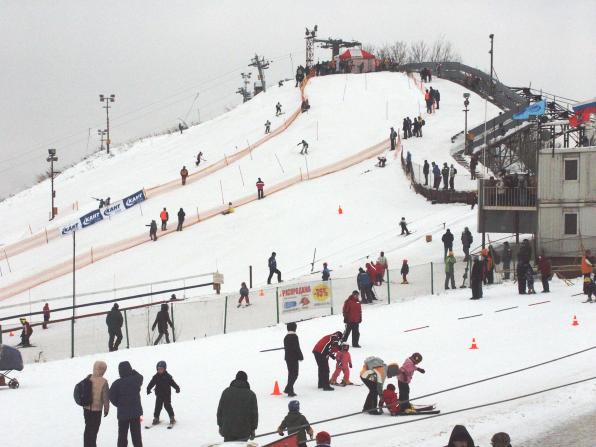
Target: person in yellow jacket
{"type": "Point", "coordinates": [373, 375]}
{"type": "Point", "coordinates": [230, 209]}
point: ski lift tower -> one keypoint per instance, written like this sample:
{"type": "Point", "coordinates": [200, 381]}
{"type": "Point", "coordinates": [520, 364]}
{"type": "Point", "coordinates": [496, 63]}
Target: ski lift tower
{"type": "Point", "coordinates": [337, 44]}
{"type": "Point", "coordinates": [261, 65]}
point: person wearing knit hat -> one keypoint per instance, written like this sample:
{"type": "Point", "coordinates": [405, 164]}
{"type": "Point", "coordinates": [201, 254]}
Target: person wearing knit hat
{"type": "Point", "coordinates": [238, 411]}
{"type": "Point", "coordinates": [296, 422]}
{"type": "Point", "coordinates": [500, 440]}
{"type": "Point", "coordinates": [323, 439]}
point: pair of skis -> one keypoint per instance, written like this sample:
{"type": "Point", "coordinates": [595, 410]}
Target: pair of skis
{"type": "Point", "coordinates": [420, 410]}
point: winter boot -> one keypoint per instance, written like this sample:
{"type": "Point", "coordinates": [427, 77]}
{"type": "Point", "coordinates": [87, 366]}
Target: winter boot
{"type": "Point", "coordinates": [332, 382]}
{"type": "Point", "coordinates": [155, 421]}
{"type": "Point", "coordinates": [347, 382]}
{"type": "Point", "coordinates": [172, 420]}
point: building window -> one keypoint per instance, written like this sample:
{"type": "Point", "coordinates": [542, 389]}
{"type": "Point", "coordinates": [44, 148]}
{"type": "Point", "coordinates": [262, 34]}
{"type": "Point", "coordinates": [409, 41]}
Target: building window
{"type": "Point", "coordinates": [571, 169]}
{"type": "Point", "coordinates": [570, 223]}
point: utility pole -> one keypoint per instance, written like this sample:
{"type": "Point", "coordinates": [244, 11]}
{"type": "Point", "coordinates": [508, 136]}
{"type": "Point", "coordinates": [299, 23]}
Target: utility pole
{"type": "Point", "coordinates": [244, 90]}
{"type": "Point", "coordinates": [261, 65]}
{"type": "Point", "coordinates": [107, 100]}
{"type": "Point", "coordinates": [74, 282]}
{"type": "Point", "coordinates": [310, 46]}
{"type": "Point", "coordinates": [51, 159]}
{"type": "Point", "coordinates": [101, 134]}
{"type": "Point", "coordinates": [466, 110]}
{"type": "Point", "coordinates": [492, 88]}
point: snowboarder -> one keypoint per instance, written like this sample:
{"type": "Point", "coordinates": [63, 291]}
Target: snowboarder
{"type": "Point", "coordinates": [476, 279]}
{"type": "Point", "coordinates": [466, 242]}
{"type": "Point", "coordinates": [452, 172]}
{"type": "Point", "coordinates": [152, 230]}
{"type": "Point", "coordinates": [292, 356]}
{"type": "Point", "coordinates": [46, 315]}
{"type": "Point", "coordinates": [445, 174]}
{"type": "Point", "coordinates": [460, 437]}
{"type": "Point", "coordinates": [125, 394]}
{"type": "Point", "coordinates": [100, 400]}
{"type": "Point", "coordinates": [363, 282]}
{"type": "Point", "coordinates": [392, 138]}
{"type": "Point", "coordinates": [326, 347]}
{"type": "Point", "coordinates": [405, 377]}
{"type": "Point", "coordinates": [450, 270]}
{"type": "Point", "coordinates": [404, 227]}
{"type": "Point", "coordinates": [425, 171]}
{"type": "Point", "coordinates": [238, 410]}
{"type": "Point", "coordinates": [447, 239]}
{"type": "Point", "coordinates": [304, 149]}
{"type": "Point", "coordinates": [199, 158]}
{"type": "Point", "coordinates": [267, 127]}
{"type": "Point", "coordinates": [373, 375]}
{"type": "Point", "coordinates": [272, 263]}
{"type": "Point", "coordinates": [183, 175]}
{"type": "Point", "coordinates": [405, 269]}
{"type": "Point", "coordinates": [326, 272]}
{"type": "Point", "coordinates": [352, 312]}
{"type": "Point", "coordinates": [295, 422]}
{"type": "Point", "coordinates": [164, 216]}
{"type": "Point", "coordinates": [181, 216]}
{"type": "Point", "coordinates": [323, 439]}
{"type": "Point", "coordinates": [260, 186]}
{"type": "Point", "coordinates": [343, 364]}
{"type": "Point", "coordinates": [162, 320]}
{"type": "Point", "coordinates": [506, 256]}
{"type": "Point", "coordinates": [228, 210]}
{"type": "Point", "coordinates": [278, 109]}
{"type": "Point", "coordinates": [163, 383]}
{"type": "Point", "coordinates": [114, 321]}
{"type": "Point", "coordinates": [243, 295]}
{"type": "Point", "coordinates": [26, 332]}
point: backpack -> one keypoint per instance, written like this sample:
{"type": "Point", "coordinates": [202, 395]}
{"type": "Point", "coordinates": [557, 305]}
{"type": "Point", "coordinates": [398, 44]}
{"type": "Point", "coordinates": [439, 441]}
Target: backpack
{"type": "Point", "coordinates": [83, 392]}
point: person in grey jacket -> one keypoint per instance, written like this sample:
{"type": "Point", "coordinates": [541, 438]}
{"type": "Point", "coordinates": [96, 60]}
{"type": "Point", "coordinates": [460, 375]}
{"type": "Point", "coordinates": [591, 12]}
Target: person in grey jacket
{"type": "Point", "coordinates": [125, 394]}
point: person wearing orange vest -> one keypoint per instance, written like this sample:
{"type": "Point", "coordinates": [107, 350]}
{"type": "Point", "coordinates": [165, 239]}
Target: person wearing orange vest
{"type": "Point", "coordinates": [164, 216]}
{"type": "Point", "coordinates": [184, 174]}
{"type": "Point", "coordinates": [587, 266]}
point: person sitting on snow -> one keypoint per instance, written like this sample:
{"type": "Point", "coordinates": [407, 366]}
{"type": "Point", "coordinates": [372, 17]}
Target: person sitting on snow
{"type": "Point", "coordinates": [389, 400]}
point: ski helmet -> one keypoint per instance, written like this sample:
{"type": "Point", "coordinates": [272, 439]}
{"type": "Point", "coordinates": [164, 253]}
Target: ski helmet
{"type": "Point", "coordinates": [294, 406]}
{"type": "Point", "coordinates": [345, 347]}
{"type": "Point", "coordinates": [161, 364]}
{"type": "Point", "coordinates": [417, 357]}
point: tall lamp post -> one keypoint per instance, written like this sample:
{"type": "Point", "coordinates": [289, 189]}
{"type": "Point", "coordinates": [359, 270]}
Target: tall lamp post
{"type": "Point", "coordinates": [492, 87]}
{"type": "Point", "coordinates": [466, 104]}
{"type": "Point", "coordinates": [51, 159]}
{"type": "Point", "coordinates": [107, 100]}
{"type": "Point", "coordinates": [101, 134]}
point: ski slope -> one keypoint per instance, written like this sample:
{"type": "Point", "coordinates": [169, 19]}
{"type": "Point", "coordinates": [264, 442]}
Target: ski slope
{"type": "Point", "coordinates": [507, 340]}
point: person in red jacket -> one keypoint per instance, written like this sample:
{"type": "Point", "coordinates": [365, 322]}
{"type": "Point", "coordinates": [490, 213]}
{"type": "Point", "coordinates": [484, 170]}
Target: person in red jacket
{"type": "Point", "coordinates": [344, 363]}
{"type": "Point", "coordinates": [260, 186]}
{"type": "Point", "coordinates": [46, 315]}
{"type": "Point", "coordinates": [389, 399]}
{"type": "Point", "coordinates": [372, 275]}
{"type": "Point", "coordinates": [325, 348]}
{"type": "Point", "coordinates": [26, 333]}
{"type": "Point", "coordinates": [352, 318]}
{"type": "Point", "coordinates": [164, 216]}
{"type": "Point", "coordinates": [545, 272]}
{"type": "Point", "coordinates": [380, 268]}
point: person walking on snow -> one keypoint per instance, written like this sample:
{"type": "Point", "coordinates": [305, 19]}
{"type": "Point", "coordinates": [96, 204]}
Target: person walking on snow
{"type": "Point", "coordinates": [272, 262]}
{"type": "Point", "coordinates": [238, 410]}
{"type": "Point", "coordinates": [125, 394]}
{"type": "Point", "coordinates": [278, 109]}
{"type": "Point", "coordinates": [304, 149]}
{"type": "Point", "coordinates": [466, 242]}
{"type": "Point", "coordinates": [343, 364]}
{"type": "Point", "coordinates": [260, 186]}
{"type": "Point", "coordinates": [162, 321]}
{"type": "Point", "coordinates": [114, 321]}
{"type": "Point", "coordinates": [405, 269]}
{"type": "Point", "coordinates": [199, 158]}
{"type": "Point", "coordinates": [352, 312]}
{"type": "Point", "coordinates": [326, 273]}
{"type": "Point", "coordinates": [152, 230]}
{"type": "Point", "coordinates": [292, 356]}
{"type": "Point", "coordinates": [326, 347]}
{"type": "Point", "coordinates": [163, 383]}
{"type": "Point", "coordinates": [404, 227]}
{"type": "Point", "coordinates": [243, 295]}
{"type": "Point", "coordinates": [425, 171]}
{"type": "Point", "coordinates": [373, 375]}
{"type": "Point", "coordinates": [181, 216]}
{"type": "Point", "coordinates": [450, 270]}
{"type": "Point", "coordinates": [452, 172]}
{"type": "Point", "coordinates": [267, 127]}
{"type": "Point", "coordinates": [164, 216]}
{"type": "Point", "coordinates": [545, 268]}
{"type": "Point", "coordinates": [183, 174]}
{"type": "Point", "coordinates": [392, 138]}
{"type": "Point", "coordinates": [100, 400]}
{"type": "Point", "coordinates": [404, 379]}
{"type": "Point", "coordinates": [447, 239]}
{"type": "Point", "coordinates": [437, 98]}
{"type": "Point", "coordinates": [46, 315]}
{"type": "Point", "coordinates": [295, 422]}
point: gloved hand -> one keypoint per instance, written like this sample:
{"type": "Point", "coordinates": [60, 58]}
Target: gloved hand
{"type": "Point", "coordinates": [178, 390]}
{"type": "Point", "coordinates": [105, 413]}
{"type": "Point", "coordinates": [252, 435]}
{"type": "Point", "coordinates": [350, 365]}
{"type": "Point", "coordinates": [420, 370]}
{"type": "Point", "coordinates": [148, 391]}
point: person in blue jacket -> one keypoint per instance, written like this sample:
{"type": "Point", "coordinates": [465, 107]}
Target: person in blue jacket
{"type": "Point", "coordinates": [363, 281]}
{"type": "Point", "coordinates": [125, 394]}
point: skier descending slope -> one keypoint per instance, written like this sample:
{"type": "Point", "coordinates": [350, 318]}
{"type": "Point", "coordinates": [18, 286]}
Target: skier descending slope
{"type": "Point", "coordinates": [163, 383]}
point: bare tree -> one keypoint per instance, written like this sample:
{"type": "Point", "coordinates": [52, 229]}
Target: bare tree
{"type": "Point", "coordinates": [418, 52]}
{"type": "Point", "coordinates": [399, 52]}
{"type": "Point", "coordinates": [442, 51]}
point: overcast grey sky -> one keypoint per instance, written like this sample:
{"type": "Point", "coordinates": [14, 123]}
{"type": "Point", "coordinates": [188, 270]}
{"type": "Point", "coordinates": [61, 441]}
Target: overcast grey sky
{"type": "Point", "coordinates": [57, 56]}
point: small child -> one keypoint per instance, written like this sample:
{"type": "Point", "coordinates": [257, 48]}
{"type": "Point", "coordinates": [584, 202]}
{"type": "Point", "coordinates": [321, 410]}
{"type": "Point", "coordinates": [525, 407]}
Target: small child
{"type": "Point", "coordinates": [344, 363]}
{"type": "Point", "coordinates": [293, 420]}
{"type": "Point", "coordinates": [405, 269]}
{"type": "Point", "coordinates": [390, 400]}
{"type": "Point", "coordinates": [243, 295]}
{"type": "Point", "coordinates": [530, 279]}
{"type": "Point", "coordinates": [163, 382]}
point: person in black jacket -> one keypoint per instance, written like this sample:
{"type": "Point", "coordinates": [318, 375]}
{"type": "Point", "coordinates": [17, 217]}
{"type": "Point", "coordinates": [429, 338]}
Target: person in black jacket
{"type": "Point", "coordinates": [404, 127]}
{"type": "Point", "coordinates": [125, 394]}
{"type": "Point", "coordinates": [447, 239]}
{"type": "Point", "coordinates": [238, 411]}
{"type": "Point", "coordinates": [466, 242]}
{"type": "Point", "coordinates": [152, 230]}
{"type": "Point", "coordinates": [425, 171]}
{"type": "Point", "coordinates": [273, 268]}
{"type": "Point", "coordinates": [114, 321]}
{"type": "Point", "coordinates": [163, 383]}
{"type": "Point", "coordinates": [292, 356]}
{"type": "Point", "coordinates": [162, 320]}
{"type": "Point", "coordinates": [181, 216]}
{"type": "Point", "coordinates": [476, 279]}
{"type": "Point", "coordinates": [460, 437]}
{"type": "Point", "coordinates": [392, 138]}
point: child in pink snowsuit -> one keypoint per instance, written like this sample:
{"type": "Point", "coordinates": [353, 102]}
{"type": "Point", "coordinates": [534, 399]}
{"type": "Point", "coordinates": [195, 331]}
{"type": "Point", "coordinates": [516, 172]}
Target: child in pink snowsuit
{"type": "Point", "coordinates": [344, 363]}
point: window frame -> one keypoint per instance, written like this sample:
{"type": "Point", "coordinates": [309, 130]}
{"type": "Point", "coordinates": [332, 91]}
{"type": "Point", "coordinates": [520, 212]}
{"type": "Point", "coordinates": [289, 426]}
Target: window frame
{"type": "Point", "coordinates": [570, 213]}
{"type": "Point", "coordinates": [576, 160]}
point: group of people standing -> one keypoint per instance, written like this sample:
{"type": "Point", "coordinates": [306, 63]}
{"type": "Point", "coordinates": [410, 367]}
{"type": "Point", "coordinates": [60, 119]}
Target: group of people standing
{"type": "Point", "coordinates": [446, 174]}
{"type": "Point", "coordinates": [164, 217]}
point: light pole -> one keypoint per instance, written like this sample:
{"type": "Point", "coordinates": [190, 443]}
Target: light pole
{"type": "Point", "coordinates": [51, 159]}
{"type": "Point", "coordinates": [101, 134]}
{"type": "Point", "coordinates": [466, 104]}
{"type": "Point", "coordinates": [107, 100]}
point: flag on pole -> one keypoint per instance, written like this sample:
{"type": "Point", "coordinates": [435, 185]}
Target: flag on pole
{"type": "Point", "coordinates": [583, 110]}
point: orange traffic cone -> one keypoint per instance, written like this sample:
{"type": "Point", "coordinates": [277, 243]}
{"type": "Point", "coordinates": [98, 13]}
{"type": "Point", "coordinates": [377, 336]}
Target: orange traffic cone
{"type": "Point", "coordinates": [11, 334]}
{"type": "Point", "coordinates": [276, 391]}
{"type": "Point", "coordinates": [575, 322]}
{"type": "Point", "coordinates": [261, 292]}
{"type": "Point", "coordinates": [474, 345]}
{"type": "Point", "coordinates": [339, 210]}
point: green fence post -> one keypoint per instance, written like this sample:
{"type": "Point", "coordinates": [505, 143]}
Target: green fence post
{"type": "Point", "coordinates": [432, 282]}
{"type": "Point", "coordinates": [226, 315]}
{"type": "Point", "coordinates": [126, 329]}
{"type": "Point", "coordinates": [388, 289]}
{"type": "Point", "coordinates": [173, 323]}
{"type": "Point", "coordinates": [277, 302]}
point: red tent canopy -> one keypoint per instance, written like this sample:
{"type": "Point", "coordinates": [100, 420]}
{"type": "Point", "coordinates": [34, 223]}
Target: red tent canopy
{"type": "Point", "coordinates": [355, 53]}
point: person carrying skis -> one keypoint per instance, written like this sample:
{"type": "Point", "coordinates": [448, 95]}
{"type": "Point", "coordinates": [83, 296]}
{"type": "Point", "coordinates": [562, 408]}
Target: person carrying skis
{"type": "Point", "coordinates": [373, 375]}
{"type": "Point", "coordinates": [181, 216]}
{"type": "Point", "coordinates": [125, 394]}
{"type": "Point", "coordinates": [404, 378]}
{"type": "Point", "coordinates": [260, 186]}
{"type": "Point", "coordinates": [363, 282]}
{"type": "Point", "coordinates": [46, 315]}
{"type": "Point", "coordinates": [278, 109]}
{"type": "Point", "coordinates": [405, 269]}
{"type": "Point", "coordinates": [164, 216]}
{"type": "Point", "coordinates": [326, 347]}
{"type": "Point", "coordinates": [26, 332]}
{"type": "Point", "coordinates": [163, 383]}
{"type": "Point", "coordinates": [272, 263]}
{"type": "Point", "coordinates": [100, 400]}
{"type": "Point", "coordinates": [404, 227]}
{"type": "Point", "coordinates": [292, 356]}
{"type": "Point", "coordinates": [267, 127]}
{"type": "Point", "coordinates": [392, 138]}
{"type": "Point", "coordinates": [295, 422]}
{"type": "Point", "coordinates": [304, 149]}
{"type": "Point", "coordinates": [450, 270]}
{"type": "Point", "coordinates": [162, 320]}
{"type": "Point", "coordinates": [243, 295]}
{"type": "Point", "coordinates": [425, 171]}
{"type": "Point", "coordinates": [238, 410]}
{"type": "Point", "coordinates": [152, 230]}
{"type": "Point", "coordinates": [352, 312]}
{"type": "Point", "coordinates": [326, 272]}
{"type": "Point", "coordinates": [452, 172]}
{"type": "Point", "coordinates": [476, 279]}
{"type": "Point", "coordinates": [199, 158]}
{"type": "Point", "coordinates": [466, 242]}
{"type": "Point", "coordinates": [114, 321]}
{"type": "Point", "coordinates": [343, 364]}
{"type": "Point", "coordinates": [447, 239]}
{"type": "Point", "coordinates": [183, 175]}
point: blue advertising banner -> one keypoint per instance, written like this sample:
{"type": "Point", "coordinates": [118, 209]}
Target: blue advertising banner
{"type": "Point", "coordinates": [91, 218]}
{"type": "Point", "coordinates": [133, 199]}
{"type": "Point", "coordinates": [537, 108]}
{"type": "Point", "coordinates": [67, 229]}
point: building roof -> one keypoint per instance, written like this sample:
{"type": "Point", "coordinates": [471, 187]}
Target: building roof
{"type": "Point", "coordinates": [355, 53]}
